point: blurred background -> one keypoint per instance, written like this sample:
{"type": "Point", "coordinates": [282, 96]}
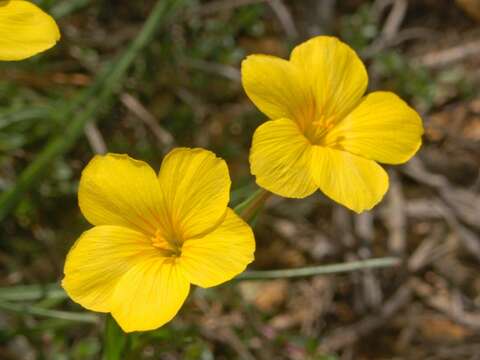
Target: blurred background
{"type": "Point", "coordinates": [184, 90]}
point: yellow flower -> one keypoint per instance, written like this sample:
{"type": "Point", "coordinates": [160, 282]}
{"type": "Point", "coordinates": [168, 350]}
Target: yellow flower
{"type": "Point", "coordinates": [154, 236]}
{"type": "Point", "coordinates": [25, 30]}
{"type": "Point", "coordinates": [324, 133]}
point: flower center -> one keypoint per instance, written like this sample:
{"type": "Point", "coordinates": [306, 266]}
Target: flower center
{"type": "Point", "coordinates": [168, 247]}
{"type": "Point", "coordinates": [318, 129]}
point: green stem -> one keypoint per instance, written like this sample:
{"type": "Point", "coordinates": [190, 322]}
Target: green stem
{"type": "Point", "coordinates": [66, 8]}
{"type": "Point", "coordinates": [249, 208]}
{"type": "Point", "coordinates": [88, 105]}
{"type": "Point", "coordinates": [116, 343]}
{"type": "Point", "coordinates": [53, 291]}
{"type": "Point", "coordinates": [32, 292]}
{"type": "Point", "coordinates": [319, 270]}
{"type": "Point", "coordinates": [56, 314]}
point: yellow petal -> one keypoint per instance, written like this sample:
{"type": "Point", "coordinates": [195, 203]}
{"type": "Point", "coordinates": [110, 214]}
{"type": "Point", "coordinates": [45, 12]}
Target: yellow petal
{"type": "Point", "coordinates": [196, 188]}
{"type": "Point", "coordinates": [220, 255]}
{"type": "Point", "coordinates": [336, 74]}
{"type": "Point", "coordinates": [149, 295]}
{"type": "Point", "coordinates": [382, 128]}
{"type": "Point", "coordinates": [118, 190]}
{"type": "Point", "coordinates": [355, 182]}
{"type": "Point", "coordinates": [96, 262]}
{"type": "Point", "coordinates": [277, 88]}
{"type": "Point", "coordinates": [280, 159]}
{"type": "Point", "coordinates": [25, 30]}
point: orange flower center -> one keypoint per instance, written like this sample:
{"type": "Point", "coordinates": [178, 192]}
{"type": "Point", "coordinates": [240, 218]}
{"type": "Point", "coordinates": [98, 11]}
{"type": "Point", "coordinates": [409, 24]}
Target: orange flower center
{"type": "Point", "coordinates": [318, 129]}
{"type": "Point", "coordinates": [170, 247]}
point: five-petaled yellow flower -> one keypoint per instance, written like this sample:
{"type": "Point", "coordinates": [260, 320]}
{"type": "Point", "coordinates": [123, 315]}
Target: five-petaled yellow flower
{"type": "Point", "coordinates": [154, 236]}
{"type": "Point", "coordinates": [324, 133]}
{"type": "Point", "coordinates": [25, 30]}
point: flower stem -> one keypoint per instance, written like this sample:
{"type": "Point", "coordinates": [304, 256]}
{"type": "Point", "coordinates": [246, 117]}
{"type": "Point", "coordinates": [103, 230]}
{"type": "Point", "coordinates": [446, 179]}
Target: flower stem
{"type": "Point", "coordinates": [249, 208]}
{"type": "Point", "coordinates": [115, 343]}
{"type": "Point", "coordinates": [31, 292]}
{"type": "Point", "coordinates": [319, 270]}
{"type": "Point", "coordinates": [54, 314]}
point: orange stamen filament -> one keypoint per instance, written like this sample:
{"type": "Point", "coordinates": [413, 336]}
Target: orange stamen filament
{"type": "Point", "coordinates": [169, 247]}
{"type": "Point", "coordinates": [319, 129]}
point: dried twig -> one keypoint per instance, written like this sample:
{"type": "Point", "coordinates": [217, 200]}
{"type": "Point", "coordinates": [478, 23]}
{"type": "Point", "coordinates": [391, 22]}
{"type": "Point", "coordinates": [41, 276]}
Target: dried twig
{"type": "Point", "coordinates": [445, 302]}
{"type": "Point", "coordinates": [226, 71]}
{"type": "Point", "coordinates": [345, 336]}
{"type": "Point", "coordinates": [164, 138]}
{"type": "Point", "coordinates": [394, 19]}
{"type": "Point", "coordinates": [95, 138]}
{"type": "Point", "coordinates": [226, 335]}
{"type": "Point", "coordinates": [450, 55]}
{"type": "Point", "coordinates": [465, 204]}
{"type": "Point", "coordinates": [372, 292]}
{"type": "Point", "coordinates": [396, 218]}
{"type": "Point", "coordinates": [285, 18]}
{"type": "Point", "coordinates": [429, 250]}
{"type": "Point", "coordinates": [342, 222]}
{"type": "Point", "coordinates": [448, 209]}
{"type": "Point", "coordinates": [391, 27]}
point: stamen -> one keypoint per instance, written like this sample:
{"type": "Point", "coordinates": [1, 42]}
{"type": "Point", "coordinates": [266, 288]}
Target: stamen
{"type": "Point", "coordinates": [167, 247]}
{"type": "Point", "coordinates": [319, 128]}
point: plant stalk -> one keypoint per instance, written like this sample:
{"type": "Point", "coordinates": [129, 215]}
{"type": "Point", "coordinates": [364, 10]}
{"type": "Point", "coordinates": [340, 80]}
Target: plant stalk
{"type": "Point", "coordinates": [249, 208]}
{"type": "Point", "coordinates": [116, 343]}
{"type": "Point", "coordinates": [319, 270]}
